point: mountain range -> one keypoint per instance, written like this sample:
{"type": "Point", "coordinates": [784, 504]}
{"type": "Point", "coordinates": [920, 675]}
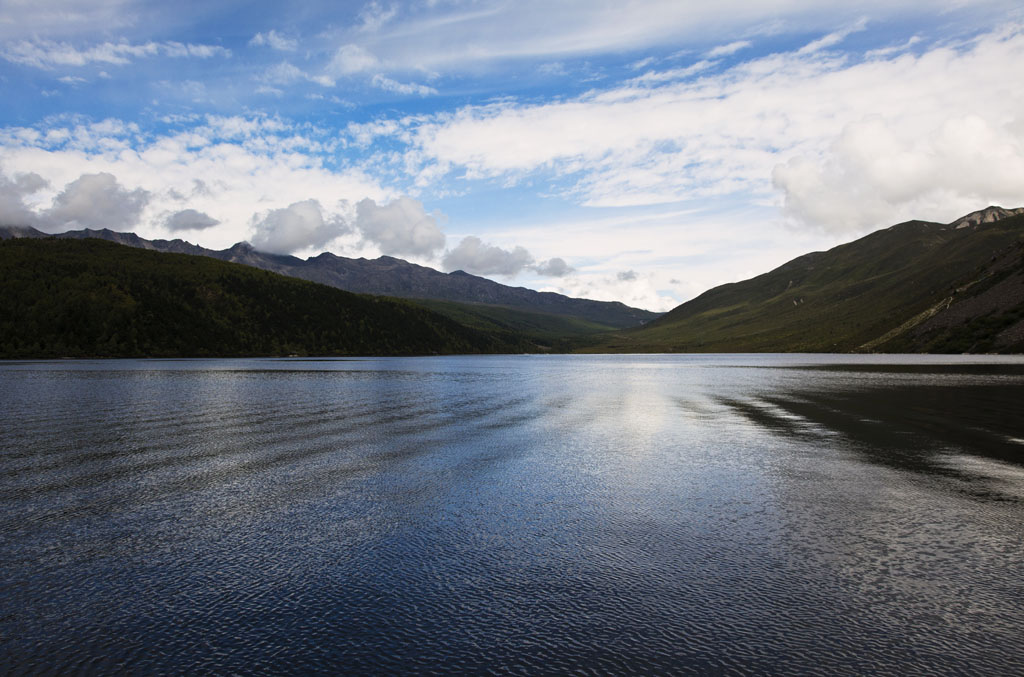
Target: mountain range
{"type": "Point", "coordinates": [917, 286]}
{"type": "Point", "coordinates": [91, 298]}
{"type": "Point", "coordinates": [384, 276]}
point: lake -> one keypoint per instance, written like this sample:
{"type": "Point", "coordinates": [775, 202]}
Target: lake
{"type": "Point", "coordinates": [796, 514]}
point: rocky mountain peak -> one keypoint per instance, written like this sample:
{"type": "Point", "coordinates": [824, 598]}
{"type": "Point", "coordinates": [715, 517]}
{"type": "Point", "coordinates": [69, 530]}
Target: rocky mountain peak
{"type": "Point", "coordinates": [989, 214]}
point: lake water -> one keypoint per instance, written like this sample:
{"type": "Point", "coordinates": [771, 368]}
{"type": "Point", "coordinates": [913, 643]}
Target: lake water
{"type": "Point", "coordinates": [605, 514]}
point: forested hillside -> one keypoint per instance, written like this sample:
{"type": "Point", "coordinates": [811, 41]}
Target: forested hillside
{"type": "Point", "coordinates": [91, 298]}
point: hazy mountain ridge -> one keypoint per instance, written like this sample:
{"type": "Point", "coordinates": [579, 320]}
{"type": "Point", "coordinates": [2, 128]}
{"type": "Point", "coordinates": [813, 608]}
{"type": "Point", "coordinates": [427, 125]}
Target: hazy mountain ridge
{"type": "Point", "coordinates": [385, 276]}
{"type": "Point", "coordinates": [914, 287]}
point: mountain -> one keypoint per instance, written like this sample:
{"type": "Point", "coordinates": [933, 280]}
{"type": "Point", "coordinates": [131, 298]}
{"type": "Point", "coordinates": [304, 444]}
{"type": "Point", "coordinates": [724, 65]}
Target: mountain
{"type": "Point", "coordinates": [914, 287]}
{"type": "Point", "coordinates": [90, 298]}
{"type": "Point", "coordinates": [386, 276]}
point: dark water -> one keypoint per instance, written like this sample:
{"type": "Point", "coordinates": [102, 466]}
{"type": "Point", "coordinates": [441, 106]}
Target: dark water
{"type": "Point", "coordinates": [783, 514]}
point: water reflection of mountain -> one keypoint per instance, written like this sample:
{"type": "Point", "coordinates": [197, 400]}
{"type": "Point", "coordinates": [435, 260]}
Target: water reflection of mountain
{"type": "Point", "coordinates": [913, 424]}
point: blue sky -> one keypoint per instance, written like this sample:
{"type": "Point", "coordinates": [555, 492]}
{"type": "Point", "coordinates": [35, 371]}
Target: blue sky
{"type": "Point", "coordinates": [635, 151]}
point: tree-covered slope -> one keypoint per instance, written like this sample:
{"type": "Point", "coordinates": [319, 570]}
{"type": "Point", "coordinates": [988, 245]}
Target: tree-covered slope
{"type": "Point", "coordinates": [85, 298]}
{"type": "Point", "coordinates": [870, 294]}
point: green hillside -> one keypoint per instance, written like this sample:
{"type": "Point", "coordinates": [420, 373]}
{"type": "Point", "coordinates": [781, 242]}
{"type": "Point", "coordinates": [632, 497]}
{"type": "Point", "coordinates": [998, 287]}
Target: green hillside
{"type": "Point", "coordinates": [542, 328]}
{"type": "Point", "coordinates": [91, 298]}
{"type": "Point", "coordinates": [873, 294]}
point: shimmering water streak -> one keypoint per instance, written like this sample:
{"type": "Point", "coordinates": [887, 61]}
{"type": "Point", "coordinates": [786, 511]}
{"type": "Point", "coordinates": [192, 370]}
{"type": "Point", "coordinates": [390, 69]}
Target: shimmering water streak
{"type": "Point", "coordinates": [784, 514]}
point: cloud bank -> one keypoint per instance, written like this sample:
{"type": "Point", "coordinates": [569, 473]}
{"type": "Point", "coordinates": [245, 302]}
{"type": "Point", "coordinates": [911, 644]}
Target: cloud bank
{"type": "Point", "coordinates": [895, 134]}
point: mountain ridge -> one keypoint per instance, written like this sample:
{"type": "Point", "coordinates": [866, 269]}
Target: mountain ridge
{"type": "Point", "coordinates": [897, 289]}
{"type": "Point", "coordinates": [92, 298]}
{"type": "Point", "coordinates": [383, 276]}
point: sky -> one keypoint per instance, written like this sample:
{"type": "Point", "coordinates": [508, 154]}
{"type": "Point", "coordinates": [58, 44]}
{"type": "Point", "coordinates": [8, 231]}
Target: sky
{"type": "Point", "coordinates": [639, 151]}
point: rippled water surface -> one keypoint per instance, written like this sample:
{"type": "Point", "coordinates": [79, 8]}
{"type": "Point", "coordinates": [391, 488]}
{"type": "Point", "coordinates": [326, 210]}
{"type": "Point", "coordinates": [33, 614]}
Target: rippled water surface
{"type": "Point", "coordinates": [784, 514]}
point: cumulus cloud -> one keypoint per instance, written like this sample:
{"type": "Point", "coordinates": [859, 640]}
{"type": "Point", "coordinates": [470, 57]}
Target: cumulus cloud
{"type": "Point", "coordinates": [189, 219]}
{"type": "Point", "coordinates": [244, 161]}
{"type": "Point", "coordinates": [400, 227]}
{"type": "Point", "coordinates": [95, 201]}
{"type": "Point", "coordinates": [873, 175]}
{"type": "Point", "coordinates": [474, 256]}
{"type": "Point", "coordinates": [13, 211]}
{"type": "Point", "coordinates": [298, 226]}
{"type": "Point", "coordinates": [626, 276]}
{"type": "Point", "coordinates": [555, 267]}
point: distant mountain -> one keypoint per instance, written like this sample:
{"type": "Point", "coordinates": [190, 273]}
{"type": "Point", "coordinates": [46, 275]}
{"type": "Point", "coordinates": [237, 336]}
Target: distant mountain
{"type": "Point", "coordinates": [913, 287]}
{"type": "Point", "coordinates": [385, 276]}
{"type": "Point", "coordinates": [90, 298]}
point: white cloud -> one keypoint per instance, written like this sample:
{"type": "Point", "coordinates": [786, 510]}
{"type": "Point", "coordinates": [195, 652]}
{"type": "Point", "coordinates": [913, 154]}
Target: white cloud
{"type": "Point", "coordinates": [640, 291]}
{"type": "Point", "coordinates": [374, 15]}
{"type": "Point", "coordinates": [474, 256]}
{"type": "Point", "coordinates": [13, 211]}
{"type": "Point", "coordinates": [833, 39]}
{"type": "Point", "coordinates": [554, 267]}
{"type": "Point", "coordinates": [283, 73]}
{"type": "Point", "coordinates": [350, 59]}
{"type": "Point", "coordinates": [727, 132]}
{"type": "Point", "coordinates": [245, 164]}
{"type": "Point", "coordinates": [267, 89]}
{"type": "Point", "coordinates": [389, 85]}
{"type": "Point", "coordinates": [654, 77]}
{"type": "Point", "coordinates": [400, 228]}
{"type": "Point", "coordinates": [70, 17]}
{"type": "Point", "coordinates": [888, 51]}
{"type": "Point", "coordinates": [189, 219]}
{"type": "Point", "coordinates": [363, 134]}
{"type": "Point", "coordinates": [874, 175]}
{"type": "Point", "coordinates": [297, 227]}
{"type": "Point", "coordinates": [553, 69]}
{"type": "Point", "coordinates": [286, 73]}
{"type": "Point", "coordinates": [468, 36]}
{"type": "Point", "coordinates": [47, 54]}
{"type": "Point", "coordinates": [274, 40]}
{"type": "Point", "coordinates": [726, 50]}
{"type": "Point", "coordinates": [95, 201]}
{"type": "Point", "coordinates": [697, 248]}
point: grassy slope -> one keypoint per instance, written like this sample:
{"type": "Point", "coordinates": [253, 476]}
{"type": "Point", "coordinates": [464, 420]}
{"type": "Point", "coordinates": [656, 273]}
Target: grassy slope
{"type": "Point", "coordinates": [985, 315]}
{"type": "Point", "coordinates": [66, 298]}
{"type": "Point", "coordinates": [834, 301]}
